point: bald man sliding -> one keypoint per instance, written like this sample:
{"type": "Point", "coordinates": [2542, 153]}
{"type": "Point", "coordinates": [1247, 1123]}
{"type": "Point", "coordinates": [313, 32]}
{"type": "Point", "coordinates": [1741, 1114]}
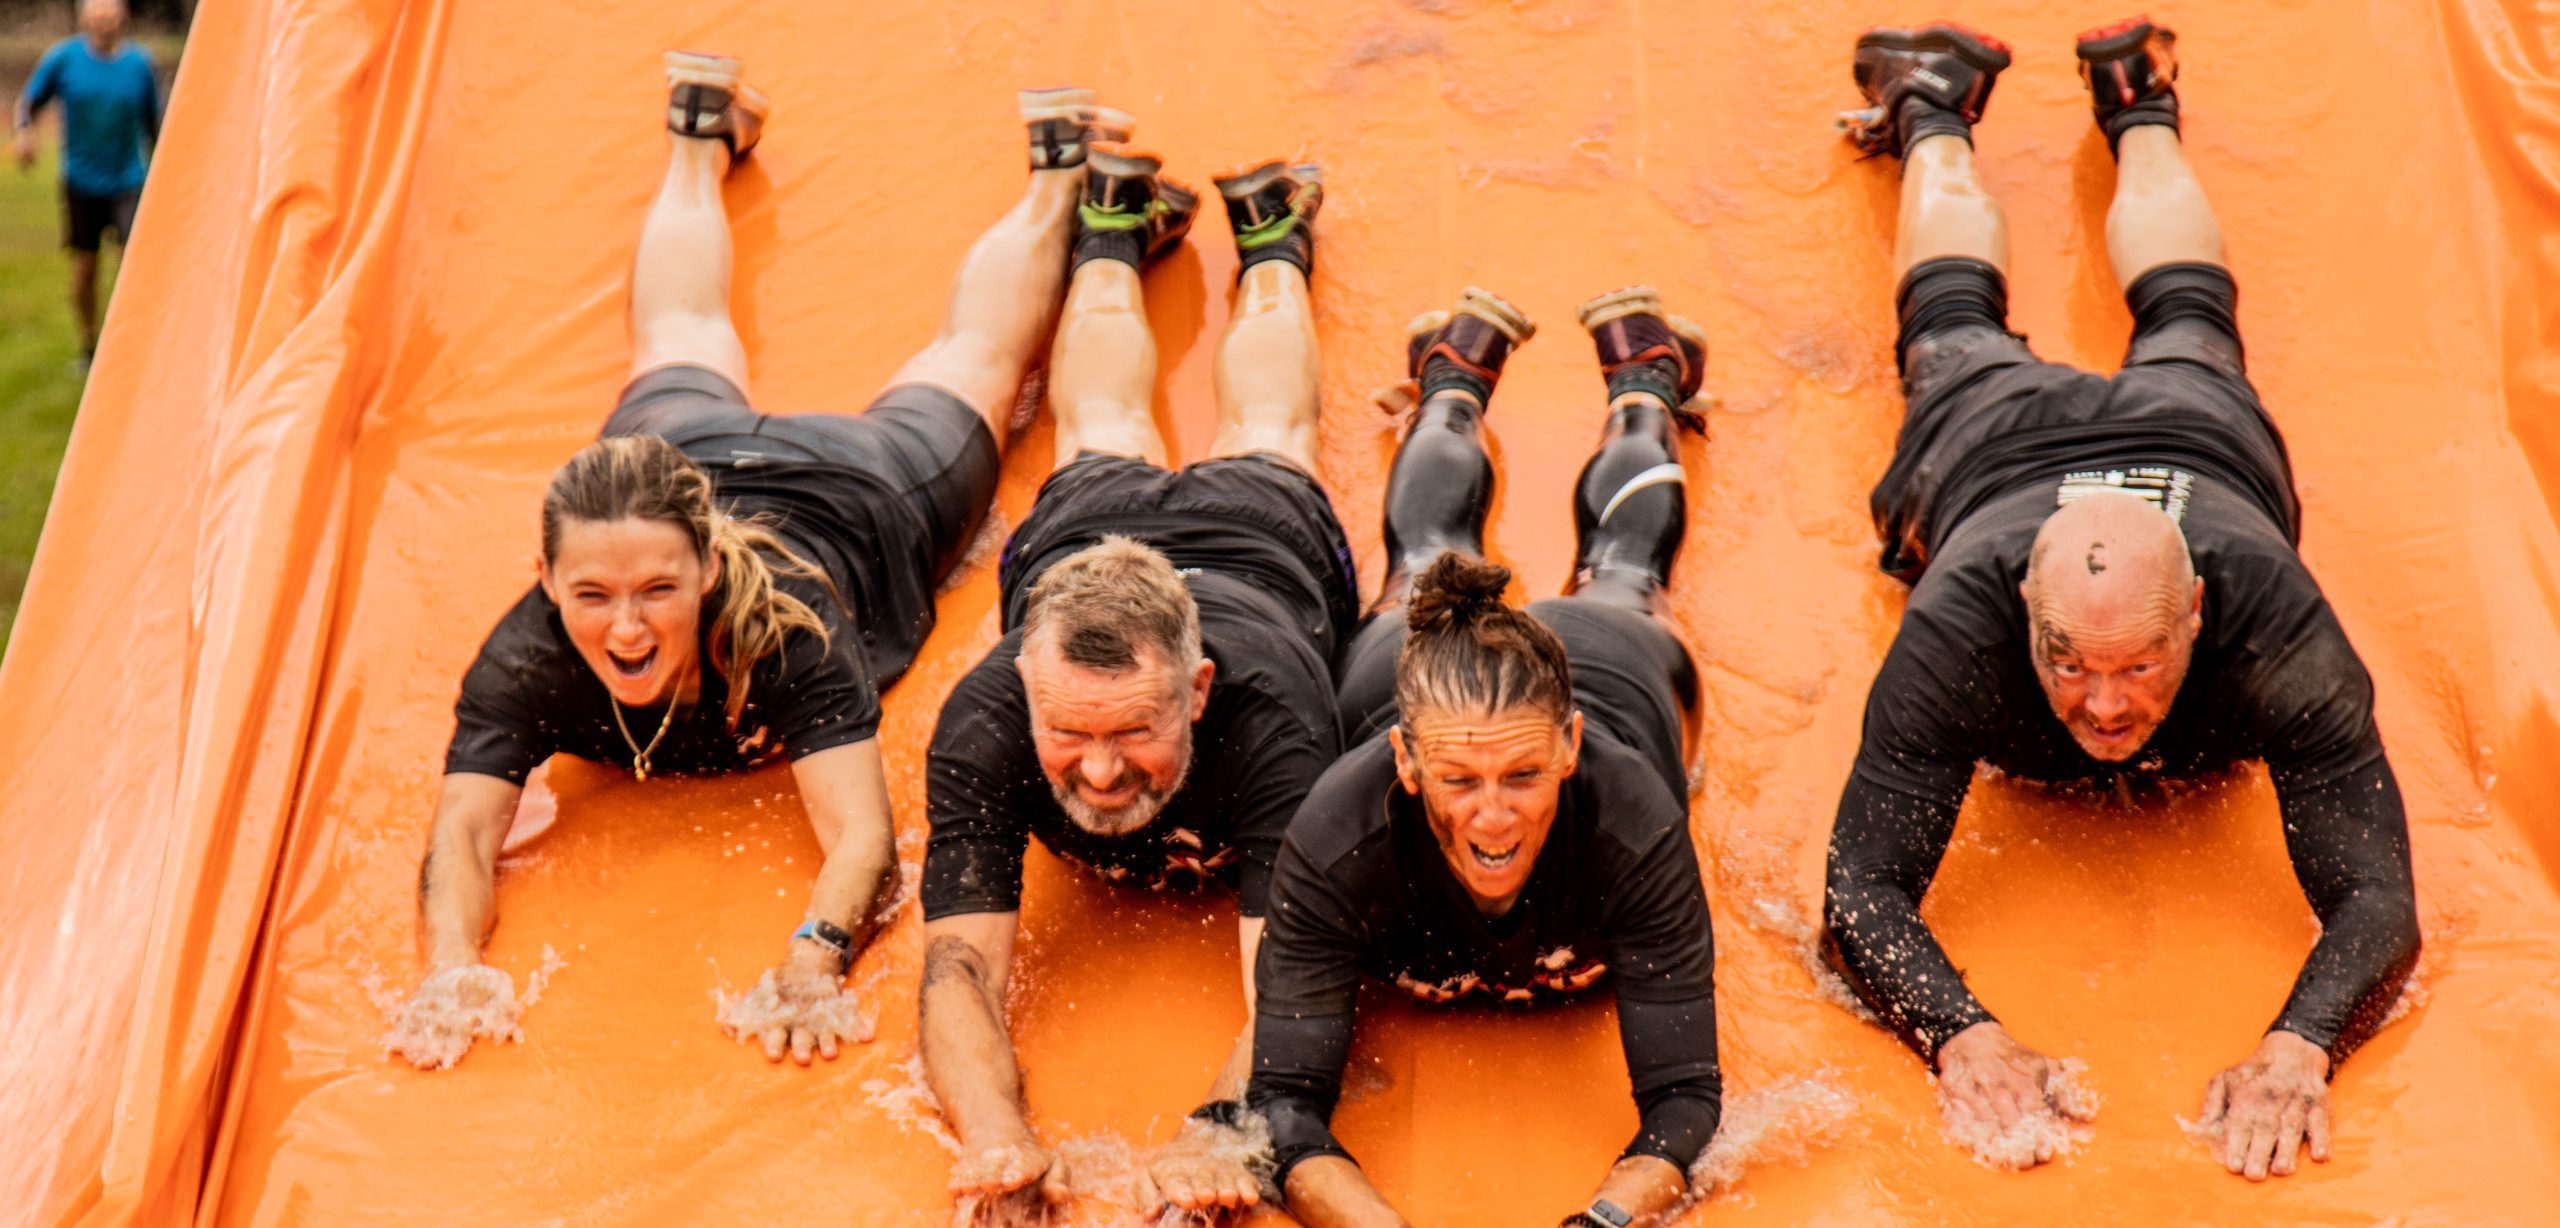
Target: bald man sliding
{"type": "Point", "coordinates": [2104, 587]}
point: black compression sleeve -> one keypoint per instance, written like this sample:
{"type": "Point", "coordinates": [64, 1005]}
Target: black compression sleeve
{"type": "Point", "coordinates": [1307, 982]}
{"type": "Point", "coordinates": [1297, 1078]}
{"type": "Point", "coordinates": [1671, 1064]}
{"type": "Point", "coordinates": [1885, 847]}
{"type": "Point", "coordinates": [1662, 966]}
{"type": "Point", "coordinates": [2349, 839]}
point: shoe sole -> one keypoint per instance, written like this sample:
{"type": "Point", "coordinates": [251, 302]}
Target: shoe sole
{"type": "Point", "coordinates": [1238, 185]}
{"type": "Point", "coordinates": [696, 68]}
{"type": "Point", "coordinates": [1122, 163]}
{"type": "Point", "coordinates": [1972, 46]}
{"type": "Point", "coordinates": [1618, 305]}
{"type": "Point", "coordinates": [1641, 300]}
{"type": "Point", "coordinates": [2115, 41]}
{"type": "Point", "coordinates": [1513, 323]}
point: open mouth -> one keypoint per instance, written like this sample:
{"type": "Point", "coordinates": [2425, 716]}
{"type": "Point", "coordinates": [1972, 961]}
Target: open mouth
{"type": "Point", "coordinates": [632, 665]}
{"type": "Point", "coordinates": [1494, 859]}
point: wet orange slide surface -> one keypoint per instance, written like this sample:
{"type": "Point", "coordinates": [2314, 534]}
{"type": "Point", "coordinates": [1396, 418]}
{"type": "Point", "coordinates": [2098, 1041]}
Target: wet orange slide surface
{"type": "Point", "coordinates": [379, 298]}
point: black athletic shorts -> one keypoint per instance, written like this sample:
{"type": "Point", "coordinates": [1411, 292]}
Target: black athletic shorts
{"type": "Point", "coordinates": [1624, 665]}
{"type": "Point", "coordinates": [1984, 416]}
{"type": "Point", "coordinates": [86, 219]}
{"type": "Point", "coordinates": [923, 443]}
{"type": "Point", "coordinates": [1253, 516]}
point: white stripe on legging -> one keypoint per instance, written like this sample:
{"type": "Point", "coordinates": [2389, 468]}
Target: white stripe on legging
{"type": "Point", "coordinates": [1655, 476]}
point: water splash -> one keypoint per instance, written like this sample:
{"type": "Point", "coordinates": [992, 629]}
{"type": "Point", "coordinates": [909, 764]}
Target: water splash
{"type": "Point", "coordinates": [908, 1102]}
{"type": "Point", "coordinates": [1778, 916]}
{"type": "Point", "coordinates": [1784, 1124]}
{"type": "Point", "coordinates": [2057, 1130]}
{"type": "Point", "coordinates": [751, 1015]}
{"type": "Point", "coordinates": [450, 1010]}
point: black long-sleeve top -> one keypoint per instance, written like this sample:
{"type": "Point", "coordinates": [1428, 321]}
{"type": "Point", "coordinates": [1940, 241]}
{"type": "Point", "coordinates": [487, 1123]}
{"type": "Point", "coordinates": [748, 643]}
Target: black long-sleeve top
{"type": "Point", "coordinates": [2273, 679]}
{"type": "Point", "coordinates": [1362, 888]}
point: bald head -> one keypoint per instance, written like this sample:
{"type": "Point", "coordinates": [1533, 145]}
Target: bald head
{"type": "Point", "coordinates": [2114, 607]}
{"type": "Point", "coordinates": [2110, 563]}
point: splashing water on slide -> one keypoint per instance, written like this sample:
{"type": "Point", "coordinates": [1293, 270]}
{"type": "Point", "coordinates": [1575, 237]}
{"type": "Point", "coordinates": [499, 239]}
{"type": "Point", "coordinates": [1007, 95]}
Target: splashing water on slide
{"type": "Point", "coordinates": [386, 302]}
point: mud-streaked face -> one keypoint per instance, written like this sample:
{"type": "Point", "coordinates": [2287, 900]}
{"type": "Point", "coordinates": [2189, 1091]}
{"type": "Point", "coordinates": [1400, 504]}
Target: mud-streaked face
{"type": "Point", "coordinates": [1489, 784]}
{"type": "Point", "coordinates": [630, 593]}
{"type": "Point", "coordinates": [2112, 684]}
{"type": "Point", "coordinates": [1115, 747]}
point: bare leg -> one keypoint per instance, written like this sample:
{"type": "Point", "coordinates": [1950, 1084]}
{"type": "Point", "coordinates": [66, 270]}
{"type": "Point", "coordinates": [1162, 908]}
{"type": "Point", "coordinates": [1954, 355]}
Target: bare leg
{"type": "Point", "coordinates": [2160, 214]}
{"type": "Point", "coordinates": [1266, 370]}
{"type": "Point", "coordinates": [1102, 376]}
{"type": "Point", "coordinates": [1945, 210]}
{"type": "Point", "coordinates": [84, 299]}
{"type": "Point", "coordinates": [1003, 302]}
{"type": "Point", "coordinates": [680, 279]}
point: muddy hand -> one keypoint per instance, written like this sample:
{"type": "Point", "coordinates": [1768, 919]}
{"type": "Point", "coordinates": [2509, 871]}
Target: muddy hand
{"type": "Point", "coordinates": [1193, 1172]}
{"type": "Point", "coordinates": [450, 1009]}
{"type": "Point", "coordinates": [800, 1008]}
{"type": "Point", "coordinates": [2266, 1107]}
{"type": "Point", "coordinates": [1988, 1083]}
{"type": "Point", "coordinates": [1012, 1173]}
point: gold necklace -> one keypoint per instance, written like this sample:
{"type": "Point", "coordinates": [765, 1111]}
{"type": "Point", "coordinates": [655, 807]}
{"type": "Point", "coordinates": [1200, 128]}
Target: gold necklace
{"type": "Point", "coordinates": [640, 754]}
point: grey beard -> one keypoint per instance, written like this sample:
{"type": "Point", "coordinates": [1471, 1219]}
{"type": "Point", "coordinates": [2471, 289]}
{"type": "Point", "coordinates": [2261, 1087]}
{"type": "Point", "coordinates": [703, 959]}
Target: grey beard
{"type": "Point", "coordinates": [1140, 811]}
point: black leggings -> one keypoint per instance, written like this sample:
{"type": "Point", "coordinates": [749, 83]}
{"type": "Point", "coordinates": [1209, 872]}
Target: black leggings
{"type": "Point", "coordinates": [1629, 512]}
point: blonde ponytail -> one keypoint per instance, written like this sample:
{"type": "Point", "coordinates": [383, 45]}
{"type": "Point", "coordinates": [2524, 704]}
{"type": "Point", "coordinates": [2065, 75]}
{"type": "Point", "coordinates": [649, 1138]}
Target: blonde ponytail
{"type": "Point", "coordinates": [749, 616]}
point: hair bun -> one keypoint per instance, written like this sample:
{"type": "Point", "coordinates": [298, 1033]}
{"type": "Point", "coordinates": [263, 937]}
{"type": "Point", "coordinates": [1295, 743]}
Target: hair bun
{"type": "Point", "coordinates": [1455, 590]}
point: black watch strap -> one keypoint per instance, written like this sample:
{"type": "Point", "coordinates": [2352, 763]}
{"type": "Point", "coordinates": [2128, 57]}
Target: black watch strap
{"type": "Point", "coordinates": [1601, 1214]}
{"type": "Point", "coordinates": [1228, 1113]}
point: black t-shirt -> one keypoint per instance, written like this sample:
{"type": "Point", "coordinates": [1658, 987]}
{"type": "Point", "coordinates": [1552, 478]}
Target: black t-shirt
{"type": "Point", "coordinates": [1362, 889]}
{"type": "Point", "coordinates": [1266, 736]}
{"type": "Point", "coordinates": [2273, 678]}
{"type": "Point", "coordinates": [529, 695]}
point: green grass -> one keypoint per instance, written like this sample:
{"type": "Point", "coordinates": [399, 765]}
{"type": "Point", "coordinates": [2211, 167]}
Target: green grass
{"type": "Point", "coordinates": [39, 392]}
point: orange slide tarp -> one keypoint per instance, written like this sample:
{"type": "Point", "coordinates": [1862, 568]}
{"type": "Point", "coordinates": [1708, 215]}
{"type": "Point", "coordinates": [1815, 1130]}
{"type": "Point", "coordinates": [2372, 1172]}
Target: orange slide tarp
{"type": "Point", "coordinates": [379, 296]}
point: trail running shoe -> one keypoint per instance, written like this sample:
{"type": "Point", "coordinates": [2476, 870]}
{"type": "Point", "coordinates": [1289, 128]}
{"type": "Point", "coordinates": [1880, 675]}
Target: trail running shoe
{"type": "Point", "coordinates": [1643, 349]}
{"type": "Point", "coordinates": [1919, 83]}
{"type": "Point", "coordinates": [707, 99]}
{"type": "Point", "coordinates": [1272, 208]}
{"type": "Point", "coordinates": [1130, 213]}
{"type": "Point", "coordinates": [1064, 121]}
{"type": "Point", "coordinates": [2131, 69]}
{"type": "Point", "coordinates": [1463, 347]}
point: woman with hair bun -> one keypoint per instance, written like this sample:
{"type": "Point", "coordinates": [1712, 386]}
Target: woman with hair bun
{"type": "Point", "coordinates": [721, 587]}
{"type": "Point", "coordinates": [1513, 825]}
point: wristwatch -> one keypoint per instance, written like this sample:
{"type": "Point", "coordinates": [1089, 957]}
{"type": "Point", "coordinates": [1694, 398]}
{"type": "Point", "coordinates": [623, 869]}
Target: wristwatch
{"type": "Point", "coordinates": [1228, 1113]}
{"type": "Point", "coordinates": [1602, 1213]}
{"type": "Point", "coordinates": [832, 936]}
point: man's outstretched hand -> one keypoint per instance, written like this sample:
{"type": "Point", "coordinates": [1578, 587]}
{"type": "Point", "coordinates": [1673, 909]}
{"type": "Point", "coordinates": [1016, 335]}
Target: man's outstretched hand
{"type": "Point", "coordinates": [1018, 1176]}
{"type": "Point", "coordinates": [450, 1009]}
{"type": "Point", "coordinates": [2265, 1108]}
{"type": "Point", "coordinates": [800, 1007]}
{"type": "Point", "coordinates": [2010, 1105]}
{"type": "Point", "coordinates": [1201, 1169]}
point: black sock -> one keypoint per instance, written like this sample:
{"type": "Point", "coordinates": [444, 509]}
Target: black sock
{"type": "Point", "coordinates": [1657, 377]}
{"type": "Point", "coordinates": [1126, 246]}
{"type": "Point", "coordinates": [1918, 119]}
{"type": "Point", "coordinates": [1441, 375]}
{"type": "Point", "coordinates": [1297, 247]}
{"type": "Point", "coordinates": [2162, 110]}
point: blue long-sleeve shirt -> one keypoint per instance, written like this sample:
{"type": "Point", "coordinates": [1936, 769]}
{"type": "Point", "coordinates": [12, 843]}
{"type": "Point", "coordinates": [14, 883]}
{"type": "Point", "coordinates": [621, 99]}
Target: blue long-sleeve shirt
{"type": "Point", "coordinates": [110, 110]}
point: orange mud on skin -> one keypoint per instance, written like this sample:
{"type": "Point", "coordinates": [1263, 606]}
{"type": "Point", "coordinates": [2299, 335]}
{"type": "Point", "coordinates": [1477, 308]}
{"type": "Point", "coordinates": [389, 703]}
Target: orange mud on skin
{"type": "Point", "coordinates": [384, 299]}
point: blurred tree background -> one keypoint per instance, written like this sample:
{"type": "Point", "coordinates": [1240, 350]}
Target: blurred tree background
{"type": "Point", "coordinates": [39, 386]}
